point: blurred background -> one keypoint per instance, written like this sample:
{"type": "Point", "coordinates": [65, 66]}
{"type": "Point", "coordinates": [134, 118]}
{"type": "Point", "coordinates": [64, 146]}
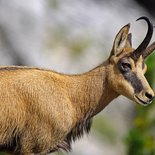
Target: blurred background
{"type": "Point", "coordinates": [73, 36]}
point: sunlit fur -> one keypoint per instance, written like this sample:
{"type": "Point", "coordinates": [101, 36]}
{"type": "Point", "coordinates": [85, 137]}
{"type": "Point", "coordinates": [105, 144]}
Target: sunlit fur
{"type": "Point", "coordinates": [42, 111]}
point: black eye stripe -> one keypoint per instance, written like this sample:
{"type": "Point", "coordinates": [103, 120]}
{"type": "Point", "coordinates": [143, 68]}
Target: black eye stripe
{"type": "Point", "coordinates": [131, 76]}
{"type": "Point", "coordinates": [134, 80]}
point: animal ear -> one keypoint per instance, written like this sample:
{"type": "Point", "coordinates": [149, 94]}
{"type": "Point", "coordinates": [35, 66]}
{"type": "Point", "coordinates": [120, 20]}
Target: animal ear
{"type": "Point", "coordinates": [122, 40]}
{"type": "Point", "coordinates": [129, 41]}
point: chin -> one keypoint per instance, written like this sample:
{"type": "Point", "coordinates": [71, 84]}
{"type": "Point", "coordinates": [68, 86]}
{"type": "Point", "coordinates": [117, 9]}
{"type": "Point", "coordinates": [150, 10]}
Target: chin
{"type": "Point", "coordinates": [141, 101]}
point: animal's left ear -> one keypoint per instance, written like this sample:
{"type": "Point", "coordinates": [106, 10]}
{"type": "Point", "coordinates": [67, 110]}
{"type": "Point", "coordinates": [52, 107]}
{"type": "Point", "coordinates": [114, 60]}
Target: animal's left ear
{"type": "Point", "coordinates": [122, 40]}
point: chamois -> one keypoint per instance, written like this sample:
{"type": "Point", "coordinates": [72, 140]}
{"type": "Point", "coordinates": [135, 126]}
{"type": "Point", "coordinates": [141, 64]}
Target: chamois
{"type": "Point", "coordinates": [42, 111]}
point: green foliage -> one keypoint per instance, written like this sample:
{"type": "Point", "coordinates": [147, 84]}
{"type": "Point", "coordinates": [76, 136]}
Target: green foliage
{"type": "Point", "coordinates": [2, 153]}
{"type": "Point", "coordinates": [79, 46]}
{"type": "Point", "coordinates": [59, 38]}
{"type": "Point", "coordinates": [141, 137]}
{"type": "Point", "coordinates": [53, 4]}
{"type": "Point", "coordinates": [104, 129]}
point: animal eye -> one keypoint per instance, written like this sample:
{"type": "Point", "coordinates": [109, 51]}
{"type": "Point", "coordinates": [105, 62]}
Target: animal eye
{"type": "Point", "coordinates": [125, 67]}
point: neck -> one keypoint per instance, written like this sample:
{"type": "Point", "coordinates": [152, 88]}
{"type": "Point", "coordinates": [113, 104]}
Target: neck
{"type": "Point", "coordinates": [91, 91]}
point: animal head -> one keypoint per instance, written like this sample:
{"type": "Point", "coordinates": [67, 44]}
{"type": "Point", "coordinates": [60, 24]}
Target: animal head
{"type": "Point", "coordinates": [127, 67]}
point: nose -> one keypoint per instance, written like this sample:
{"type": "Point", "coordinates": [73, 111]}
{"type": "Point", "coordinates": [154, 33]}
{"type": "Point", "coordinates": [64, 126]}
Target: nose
{"type": "Point", "coordinates": [149, 96]}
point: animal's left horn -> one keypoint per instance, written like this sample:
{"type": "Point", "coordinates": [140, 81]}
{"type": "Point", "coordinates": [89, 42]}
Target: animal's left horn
{"type": "Point", "coordinates": [141, 48]}
{"type": "Point", "coordinates": [149, 50]}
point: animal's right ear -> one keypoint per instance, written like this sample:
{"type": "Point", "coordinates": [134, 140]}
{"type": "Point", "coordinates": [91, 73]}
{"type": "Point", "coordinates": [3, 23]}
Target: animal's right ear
{"type": "Point", "coordinates": [129, 41]}
{"type": "Point", "coordinates": [122, 40]}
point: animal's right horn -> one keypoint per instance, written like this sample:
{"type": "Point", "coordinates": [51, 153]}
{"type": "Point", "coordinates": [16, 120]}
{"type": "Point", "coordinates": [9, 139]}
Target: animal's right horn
{"type": "Point", "coordinates": [141, 48]}
{"type": "Point", "coordinates": [149, 50]}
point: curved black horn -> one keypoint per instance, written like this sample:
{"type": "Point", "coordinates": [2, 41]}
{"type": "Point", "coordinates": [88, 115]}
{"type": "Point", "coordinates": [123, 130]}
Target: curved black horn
{"type": "Point", "coordinates": [149, 50]}
{"type": "Point", "coordinates": [141, 48]}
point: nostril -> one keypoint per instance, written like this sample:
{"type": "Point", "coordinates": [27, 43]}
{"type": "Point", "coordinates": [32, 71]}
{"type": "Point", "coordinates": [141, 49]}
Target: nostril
{"type": "Point", "coordinates": [149, 96]}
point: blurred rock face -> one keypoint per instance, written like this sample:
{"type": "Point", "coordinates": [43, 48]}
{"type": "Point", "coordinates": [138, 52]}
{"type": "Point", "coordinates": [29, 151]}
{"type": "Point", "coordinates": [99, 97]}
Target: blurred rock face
{"type": "Point", "coordinates": [42, 32]}
{"type": "Point", "coordinates": [21, 28]}
{"type": "Point", "coordinates": [148, 5]}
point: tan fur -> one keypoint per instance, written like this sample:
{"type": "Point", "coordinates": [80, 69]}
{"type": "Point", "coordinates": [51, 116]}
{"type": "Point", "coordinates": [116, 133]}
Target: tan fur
{"type": "Point", "coordinates": [42, 106]}
{"type": "Point", "coordinates": [42, 111]}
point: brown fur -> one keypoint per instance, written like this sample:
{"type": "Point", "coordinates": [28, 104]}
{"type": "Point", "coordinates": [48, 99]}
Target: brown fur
{"type": "Point", "coordinates": [42, 111]}
{"type": "Point", "coordinates": [45, 110]}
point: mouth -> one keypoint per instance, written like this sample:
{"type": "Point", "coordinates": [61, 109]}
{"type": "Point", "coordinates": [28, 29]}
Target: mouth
{"type": "Point", "coordinates": [142, 102]}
